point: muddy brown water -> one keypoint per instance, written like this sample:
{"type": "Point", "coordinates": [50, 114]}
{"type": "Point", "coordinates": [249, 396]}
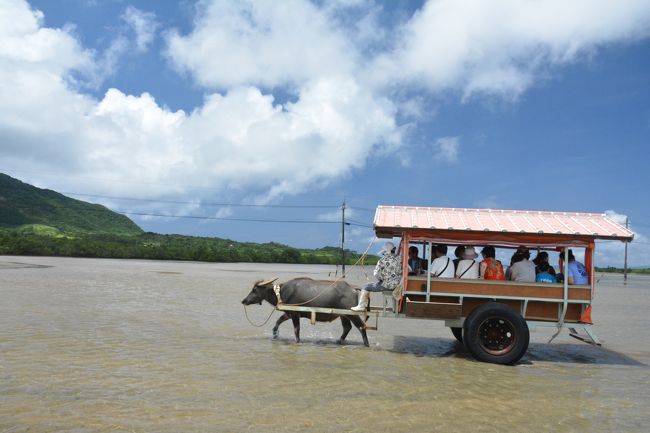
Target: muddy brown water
{"type": "Point", "coordinates": [91, 345]}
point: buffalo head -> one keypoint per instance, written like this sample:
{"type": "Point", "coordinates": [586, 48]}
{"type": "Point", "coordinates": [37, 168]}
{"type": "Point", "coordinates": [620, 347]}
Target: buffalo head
{"type": "Point", "coordinates": [259, 292]}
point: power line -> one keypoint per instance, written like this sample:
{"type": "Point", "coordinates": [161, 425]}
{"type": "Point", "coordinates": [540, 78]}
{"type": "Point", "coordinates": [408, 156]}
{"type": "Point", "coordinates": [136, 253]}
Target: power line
{"type": "Point", "coordinates": [203, 217]}
{"type": "Point", "coordinates": [347, 222]}
{"type": "Point", "coordinates": [228, 219]}
{"type": "Point", "coordinates": [358, 223]}
{"type": "Point", "coordinates": [613, 240]}
{"type": "Point", "coordinates": [364, 209]}
{"type": "Point", "coordinates": [204, 203]}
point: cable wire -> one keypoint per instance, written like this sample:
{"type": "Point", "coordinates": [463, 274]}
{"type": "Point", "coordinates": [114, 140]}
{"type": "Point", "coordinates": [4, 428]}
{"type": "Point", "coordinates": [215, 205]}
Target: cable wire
{"type": "Point", "coordinates": [229, 219]}
{"type": "Point", "coordinates": [364, 209]}
{"type": "Point", "coordinates": [205, 203]}
{"type": "Point", "coordinates": [358, 223]}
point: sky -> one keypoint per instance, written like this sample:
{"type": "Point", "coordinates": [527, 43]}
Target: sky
{"type": "Point", "coordinates": [195, 108]}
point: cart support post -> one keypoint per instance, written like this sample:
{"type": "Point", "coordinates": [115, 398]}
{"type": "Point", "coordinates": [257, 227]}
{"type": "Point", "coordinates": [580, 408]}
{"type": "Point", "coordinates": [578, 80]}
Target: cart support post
{"type": "Point", "coordinates": [429, 271]}
{"type": "Point", "coordinates": [565, 270]}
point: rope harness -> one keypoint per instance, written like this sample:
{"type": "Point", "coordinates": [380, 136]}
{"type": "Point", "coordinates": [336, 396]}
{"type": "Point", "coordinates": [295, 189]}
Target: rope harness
{"type": "Point", "coordinates": [276, 289]}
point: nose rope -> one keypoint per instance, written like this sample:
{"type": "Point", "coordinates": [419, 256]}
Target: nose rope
{"type": "Point", "coordinates": [257, 326]}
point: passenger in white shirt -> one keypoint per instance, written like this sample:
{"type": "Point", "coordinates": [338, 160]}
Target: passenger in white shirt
{"type": "Point", "coordinates": [468, 267]}
{"type": "Point", "coordinates": [442, 266]}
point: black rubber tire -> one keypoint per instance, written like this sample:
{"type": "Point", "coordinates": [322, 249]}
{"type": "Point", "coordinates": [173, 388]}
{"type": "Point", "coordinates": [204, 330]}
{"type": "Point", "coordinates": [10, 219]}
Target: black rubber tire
{"type": "Point", "coordinates": [495, 333]}
{"type": "Point", "coordinates": [458, 333]}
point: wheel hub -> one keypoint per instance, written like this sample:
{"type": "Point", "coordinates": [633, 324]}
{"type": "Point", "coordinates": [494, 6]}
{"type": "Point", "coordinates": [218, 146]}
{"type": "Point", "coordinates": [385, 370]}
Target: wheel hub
{"type": "Point", "coordinates": [496, 336]}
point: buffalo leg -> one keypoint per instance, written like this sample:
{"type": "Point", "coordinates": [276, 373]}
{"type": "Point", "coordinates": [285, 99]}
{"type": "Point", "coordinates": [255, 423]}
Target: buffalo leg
{"type": "Point", "coordinates": [282, 318]}
{"type": "Point", "coordinates": [295, 318]}
{"type": "Point", "coordinates": [361, 327]}
{"type": "Point", "coordinates": [346, 329]}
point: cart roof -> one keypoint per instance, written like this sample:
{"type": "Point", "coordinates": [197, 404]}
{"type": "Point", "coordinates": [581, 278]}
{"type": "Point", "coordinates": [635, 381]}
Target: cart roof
{"type": "Point", "coordinates": [511, 226]}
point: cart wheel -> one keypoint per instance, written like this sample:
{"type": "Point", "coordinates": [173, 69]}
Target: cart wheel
{"type": "Point", "coordinates": [495, 333]}
{"type": "Point", "coordinates": [458, 333]}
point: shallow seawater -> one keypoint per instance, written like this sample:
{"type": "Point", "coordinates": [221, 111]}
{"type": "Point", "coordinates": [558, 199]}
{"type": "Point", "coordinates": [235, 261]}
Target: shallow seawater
{"type": "Point", "coordinates": [90, 345]}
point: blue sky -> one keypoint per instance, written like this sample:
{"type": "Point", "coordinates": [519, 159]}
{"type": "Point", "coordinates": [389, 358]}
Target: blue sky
{"type": "Point", "coordinates": [511, 104]}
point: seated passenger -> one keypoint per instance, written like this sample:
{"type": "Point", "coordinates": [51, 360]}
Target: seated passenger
{"type": "Point", "coordinates": [544, 276]}
{"type": "Point", "coordinates": [516, 257]}
{"type": "Point", "coordinates": [442, 266]}
{"type": "Point", "coordinates": [542, 257]}
{"type": "Point", "coordinates": [417, 265]}
{"type": "Point", "coordinates": [458, 252]}
{"type": "Point", "coordinates": [468, 267]}
{"type": "Point", "coordinates": [577, 271]}
{"type": "Point", "coordinates": [522, 269]}
{"type": "Point", "coordinates": [490, 268]}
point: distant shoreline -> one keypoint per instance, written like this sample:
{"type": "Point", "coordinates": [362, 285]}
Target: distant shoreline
{"type": "Point", "coordinates": [614, 270]}
{"type": "Point", "coordinates": [34, 241]}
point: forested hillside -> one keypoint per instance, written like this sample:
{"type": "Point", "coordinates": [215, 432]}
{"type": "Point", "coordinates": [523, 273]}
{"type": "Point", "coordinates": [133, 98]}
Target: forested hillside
{"type": "Point", "coordinates": [22, 204]}
{"type": "Point", "coordinates": [36, 221]}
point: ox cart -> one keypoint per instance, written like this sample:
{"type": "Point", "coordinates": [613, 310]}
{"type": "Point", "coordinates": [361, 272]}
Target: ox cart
{"type": "Point", "coordinates": [492, 318]}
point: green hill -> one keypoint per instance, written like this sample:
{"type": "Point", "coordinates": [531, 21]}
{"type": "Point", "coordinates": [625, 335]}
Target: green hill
{"type": "Point", "coordinates": [44, 211]}
{"type": "Point", "coordinates": [39, 222]}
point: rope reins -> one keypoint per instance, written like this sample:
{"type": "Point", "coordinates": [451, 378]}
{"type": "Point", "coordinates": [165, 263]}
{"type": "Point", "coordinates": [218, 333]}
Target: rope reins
{"type": "Point", "coordinates": [257, 326]}
{"type": "Point", "coordinates": [365, 253]}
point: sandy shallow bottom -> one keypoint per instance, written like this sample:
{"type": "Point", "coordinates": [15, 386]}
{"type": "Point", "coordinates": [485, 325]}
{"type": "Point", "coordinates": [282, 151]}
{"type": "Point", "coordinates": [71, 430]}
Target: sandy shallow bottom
{"type": "Point", "coordinates": [90, 345]}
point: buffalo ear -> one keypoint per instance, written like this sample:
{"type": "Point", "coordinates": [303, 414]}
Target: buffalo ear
{"type": "Point", "coordinates": [266, 282]}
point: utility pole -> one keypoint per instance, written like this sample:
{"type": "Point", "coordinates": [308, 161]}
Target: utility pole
{"type": "Point", "coordinates": [627, 223]}
{"type": "Point", "coordinates": [343, 239]}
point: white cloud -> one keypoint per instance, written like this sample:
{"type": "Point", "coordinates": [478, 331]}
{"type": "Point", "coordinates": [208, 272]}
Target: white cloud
{"type": "Point", "coordinates": [339, 78]}
{"type": "Point", "coordinates": [133, 37]}
{"type": "Point", "coordinates": [613, 252]}
{"type": "Point", "coordinates": [144, 26]}
{"type": "Point", "coordinates": [224, 212]}
{"type": "Point", "coordinates": [108, 62]}
{"type": "Point", "coordinates": [246, 141]}
{"type": "Point", "coordinates": [262, 43]}
{"type": "Point", "coordinates": [616, 217]}
{"type": "Point", "coordinates": [237, 139]}
{"type": "Point", "coordinates": [336, 215]}
{"type": "Point", "coordinates": [502, 47]}
{"type": "Point", "coordinates": [445, 149]}
{"type": "Point", "coordinates": [37, 108]}
{"type": "Point", "coordinates": [363, 237]}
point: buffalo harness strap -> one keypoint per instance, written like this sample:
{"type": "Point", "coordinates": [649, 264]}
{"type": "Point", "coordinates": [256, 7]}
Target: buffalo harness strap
{"type": "Point", "coordinates": [276, 289]}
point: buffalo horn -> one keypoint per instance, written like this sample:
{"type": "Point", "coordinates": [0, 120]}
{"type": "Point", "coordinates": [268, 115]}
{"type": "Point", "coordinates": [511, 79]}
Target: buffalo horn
{"type": "Point", "coordinates": [265, 282]}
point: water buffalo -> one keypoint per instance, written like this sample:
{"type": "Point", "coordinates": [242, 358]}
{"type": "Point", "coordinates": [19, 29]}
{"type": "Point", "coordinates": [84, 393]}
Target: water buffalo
{"type": "Point", "coordinates": [313, 293]}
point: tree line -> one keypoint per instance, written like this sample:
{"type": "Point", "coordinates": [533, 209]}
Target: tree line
{"type": "Point", "coordinates": [166, 247]}
{"type": "Point", "coordinates": [615, 270]}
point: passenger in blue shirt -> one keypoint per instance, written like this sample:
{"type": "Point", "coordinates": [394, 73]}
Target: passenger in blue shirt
{"type": "Point", "coordinates": [544, 276]}
{"type": "Point", "coordinates": [577, 271]}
